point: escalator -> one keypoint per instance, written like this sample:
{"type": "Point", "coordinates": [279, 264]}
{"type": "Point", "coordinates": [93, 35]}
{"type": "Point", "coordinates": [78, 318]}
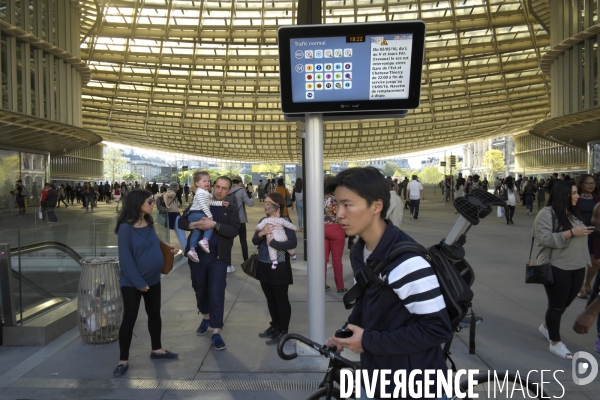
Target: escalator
{"type": "Point", "coordinates": [46, 280]}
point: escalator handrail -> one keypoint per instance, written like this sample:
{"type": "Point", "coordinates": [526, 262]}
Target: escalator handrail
{"type": "Point", "coordinates": [32, 247]}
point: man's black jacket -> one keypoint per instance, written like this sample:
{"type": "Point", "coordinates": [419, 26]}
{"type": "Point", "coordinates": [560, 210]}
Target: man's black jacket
{"type": "Point", "coordinates": [229, 228]}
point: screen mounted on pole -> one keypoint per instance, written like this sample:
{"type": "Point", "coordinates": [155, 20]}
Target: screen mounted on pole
{"type": "Point", "coordinates": [351, 67]}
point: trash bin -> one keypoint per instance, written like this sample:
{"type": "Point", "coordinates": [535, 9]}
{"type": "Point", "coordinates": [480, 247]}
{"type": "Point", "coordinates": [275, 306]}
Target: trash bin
{"type": "Point", "coordinates": [100, 304]}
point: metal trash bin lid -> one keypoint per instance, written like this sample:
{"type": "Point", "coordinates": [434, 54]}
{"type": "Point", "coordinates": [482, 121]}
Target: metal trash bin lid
{"type": "Point", "coordinates": [94, 261]}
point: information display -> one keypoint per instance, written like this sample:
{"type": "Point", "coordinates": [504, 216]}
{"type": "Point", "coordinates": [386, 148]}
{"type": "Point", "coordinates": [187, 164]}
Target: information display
{"type": "Point", "coordinates": [351, 67]}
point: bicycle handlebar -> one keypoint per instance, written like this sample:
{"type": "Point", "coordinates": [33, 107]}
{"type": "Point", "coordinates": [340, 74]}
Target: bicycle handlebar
{"type": "Point", "coordinates": [328, 352]}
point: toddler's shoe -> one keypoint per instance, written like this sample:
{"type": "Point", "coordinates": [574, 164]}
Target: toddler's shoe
{"type": "Point", "coordinates": [192, 255]}
{"type": "Point", "coordinates": [204, 244]}
{"type": "Point", "coordinates": [274, 265]}
{"type": "Point", "coordinates": [294, 256]}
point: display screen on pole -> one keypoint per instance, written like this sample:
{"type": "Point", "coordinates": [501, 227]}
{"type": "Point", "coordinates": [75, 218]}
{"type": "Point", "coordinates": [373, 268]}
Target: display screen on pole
{"type": "Point", "coordinates": [351, 67]}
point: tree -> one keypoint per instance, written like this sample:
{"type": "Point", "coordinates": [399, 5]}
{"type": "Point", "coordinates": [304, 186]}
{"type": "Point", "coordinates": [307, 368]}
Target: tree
{"type": "Point", "coordinates": [430, 174]}
{"type": "Point", "coordinates": [390, 168]}
{"type": "Point", "coordinates": [493, 161]}
{"type": "Point", "coordinates": [270, 171]}
{"type": "Point", "coordinates": [231, 170]}
{"type": "Point", "coordinates": [131, 177]}
{"type": "Point", "coordinates": [114, 164]}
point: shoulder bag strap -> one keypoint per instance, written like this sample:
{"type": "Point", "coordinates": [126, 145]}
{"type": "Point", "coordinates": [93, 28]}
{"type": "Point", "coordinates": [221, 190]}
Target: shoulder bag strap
{"type": "Point", "coordinates": [368, 275]}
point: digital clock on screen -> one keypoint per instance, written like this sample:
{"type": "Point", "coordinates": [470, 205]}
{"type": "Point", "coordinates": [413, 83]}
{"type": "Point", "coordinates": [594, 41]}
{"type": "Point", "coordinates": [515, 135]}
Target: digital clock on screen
{"type": "Point", "coordinates": [355, 39]}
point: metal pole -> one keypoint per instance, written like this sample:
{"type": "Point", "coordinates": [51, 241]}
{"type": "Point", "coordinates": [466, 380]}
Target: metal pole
{"type": "Point", "coordinates": [314, 224]}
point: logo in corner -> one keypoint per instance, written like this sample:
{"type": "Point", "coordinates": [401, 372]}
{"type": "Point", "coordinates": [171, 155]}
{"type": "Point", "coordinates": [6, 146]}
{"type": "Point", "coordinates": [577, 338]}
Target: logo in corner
{"type": "Point", "coordinates": [584, 364]}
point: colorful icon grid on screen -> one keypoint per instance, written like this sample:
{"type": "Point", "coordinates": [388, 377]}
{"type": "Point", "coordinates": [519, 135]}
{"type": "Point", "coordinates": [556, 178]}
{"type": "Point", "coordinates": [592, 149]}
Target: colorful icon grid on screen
{"type": "Point", "coordinates": [325, 75]}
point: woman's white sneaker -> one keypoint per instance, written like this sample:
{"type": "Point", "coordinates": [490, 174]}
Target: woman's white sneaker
{"type": "Point", "coordinates": [561, 350]}
{"type": "Point", "coordinates": [544, 332]}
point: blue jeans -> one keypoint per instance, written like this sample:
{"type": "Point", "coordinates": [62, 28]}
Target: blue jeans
{"type": "Point", "coordinates": [180, 233]}
{"type": "Point", "coordinates": [300, 210]}
{"type": "Point", "coordinates": [209, 279]}
{"type": "Point", "coordinates": [196, 216]}
{"type": "Point", "coordinates": [529, 203]}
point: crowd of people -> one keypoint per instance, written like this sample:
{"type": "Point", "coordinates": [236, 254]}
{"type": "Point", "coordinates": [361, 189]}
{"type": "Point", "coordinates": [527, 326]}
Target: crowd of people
{"type": "Point", "coordinates": [359, 205]}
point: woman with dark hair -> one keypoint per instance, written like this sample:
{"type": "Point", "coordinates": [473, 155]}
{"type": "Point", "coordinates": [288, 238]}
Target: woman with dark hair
{"type": "Point", "coordinates": [512, 196]}
{"type": "Point", "coordinates": [588, 198]}
{"type": "Point", "coordinates": [562, 238]}
{"type": "Point", "coordinates": [140, 261]}
{"type": "Point", "coordinates": [529, 192]}
{"type": "Point", "coordinates": [459, 189]}
{"type": "Point", "coordinates": [282, 190]}
{"type": "Point", "coordinates": [298, 199]}
{"type": "Point", "coordinates": [275, 282]}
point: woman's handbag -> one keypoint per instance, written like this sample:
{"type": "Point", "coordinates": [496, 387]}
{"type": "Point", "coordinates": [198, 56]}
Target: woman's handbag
{"type": "Point", "coordinates": [288, 199]}
{"type": "Point", "coordinates": [168, 258]}
{"type": "Point", "coordinates": [539, 273]}
{"type": "Point", "coordinates": [40, 213]}
{"type": "Point", "coordinates": [500, 212]}
{"type": "Point", "coordinates": [249, 266]}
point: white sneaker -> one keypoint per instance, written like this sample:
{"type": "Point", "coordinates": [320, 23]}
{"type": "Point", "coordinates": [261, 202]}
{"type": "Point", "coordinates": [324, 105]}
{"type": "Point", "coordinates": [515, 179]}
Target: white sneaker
{"type": "Point", "coordinates": [544, 332]}
{"type": "Point", "coordinates": [204, 245]}
{"type": "Point", "coordinates": [561, 350]}
{"type": "Point", "coordinates": [230, 269]}
{"type": "Point", "coordinates": [192, 255]}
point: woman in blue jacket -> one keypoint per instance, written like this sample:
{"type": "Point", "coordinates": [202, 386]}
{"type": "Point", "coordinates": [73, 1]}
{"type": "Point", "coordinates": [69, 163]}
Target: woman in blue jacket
{"type": "Point", "coordinates": [141, 261]}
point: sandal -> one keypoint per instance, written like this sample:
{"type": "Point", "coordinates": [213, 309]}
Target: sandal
{"type": "Point", "coordinates": [544, 332]}
{"type": "Point", "coordinates": [583, 295]}
{"type": "Point", "coordinates": [561, 350]}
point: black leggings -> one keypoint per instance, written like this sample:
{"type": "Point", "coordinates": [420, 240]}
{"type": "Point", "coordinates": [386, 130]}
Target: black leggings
{"type": "Point", "coordinates": [131, 306]}
{"type": "Point", "coordinates": [509, 211]}
{"type": "Point", "coordinates": [279, 305]}
{"type": "Point", "coordinates": [560, 296]}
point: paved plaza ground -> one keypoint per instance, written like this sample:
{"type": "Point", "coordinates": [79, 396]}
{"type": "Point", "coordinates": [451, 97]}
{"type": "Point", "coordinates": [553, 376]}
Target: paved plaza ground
{"type": "Point", "coordinates": [507, 339]}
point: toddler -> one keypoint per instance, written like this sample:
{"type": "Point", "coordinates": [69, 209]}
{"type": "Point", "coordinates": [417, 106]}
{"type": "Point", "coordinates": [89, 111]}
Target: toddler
{"type": "Point", "coordinates": [274, 218]}
{"type": "Point", "coordinates": [199, 209]}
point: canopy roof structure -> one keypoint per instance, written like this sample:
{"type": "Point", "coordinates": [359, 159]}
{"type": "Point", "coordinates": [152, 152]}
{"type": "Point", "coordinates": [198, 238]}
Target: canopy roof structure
{"type": "Point", "coordinates": [201, 77]}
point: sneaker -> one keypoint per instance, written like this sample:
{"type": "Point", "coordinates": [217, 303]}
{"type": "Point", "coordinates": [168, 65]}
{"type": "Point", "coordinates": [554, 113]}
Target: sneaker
{"type": "Point", "coordinates": [276, 338]}
{"type": "Point", "coordinates": [544, 332]}
{"type": "Point", "coordinates": [268, 332]}
{"type": "Point", "coordinates": [218, 342]}
{"type": "Point", "coordinates": [341, 291]}
{"type": "Point", "coordinates": [230, 269]}
{"type": "Point", "coordinates": [167, 355]}
{"type": "Point", "coordinates": [597, 348]}
{"type": "Point", "coordinates": [120, 370]}
{"type": "Point", "coordinates": [274, 265]}
{"type": "Point", "coordinates": [294, 257]}
{"type": "Point", "coordinates": [415, 217]}
{"type": "Point", "coordinates": [204, 244]}
{"type": "Point", "coordinates": [192, 255]}
{"type": "Point", "coordinates": [204, 325]}
{"type": "Point", "coordinates": [561, 350]}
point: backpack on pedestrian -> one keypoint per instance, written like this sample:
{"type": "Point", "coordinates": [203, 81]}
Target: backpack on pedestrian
{"type": "Point", "coordinates": [161, 206]}
{"type": "Point", "coordinates": [455, 279]}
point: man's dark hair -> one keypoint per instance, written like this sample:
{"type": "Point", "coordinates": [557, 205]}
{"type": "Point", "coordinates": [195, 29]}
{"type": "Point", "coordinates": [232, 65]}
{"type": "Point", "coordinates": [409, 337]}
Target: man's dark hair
{"type": "Point", "coordinates": [228, 179]}
{"type": "Point", "coordinates": [367, 182]}
{"type": "Point", "coordinates": [414, 178]}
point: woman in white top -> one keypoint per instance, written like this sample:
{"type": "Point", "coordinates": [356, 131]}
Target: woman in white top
{"type": "Point", "coordinates": [511, 196]}
{"type": "Point", "coordinates": [459, 189]}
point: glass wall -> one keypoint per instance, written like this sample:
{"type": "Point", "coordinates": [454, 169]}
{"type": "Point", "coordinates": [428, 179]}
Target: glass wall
{"type": "Point", "coordinates": [4, 71]}
{"type": "Point", "coordinates": [31, 168]}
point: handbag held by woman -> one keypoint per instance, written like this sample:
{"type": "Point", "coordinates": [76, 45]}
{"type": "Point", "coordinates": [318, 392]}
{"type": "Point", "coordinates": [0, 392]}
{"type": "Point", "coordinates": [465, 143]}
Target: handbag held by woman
{"type": "Point", "coordinates": [249, 266]}
{"type": "Point", "coordinates": [539, 273]}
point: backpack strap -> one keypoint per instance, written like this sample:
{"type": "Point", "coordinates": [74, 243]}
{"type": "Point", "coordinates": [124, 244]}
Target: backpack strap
{"type": "Point", "coordinates": [369, 275]}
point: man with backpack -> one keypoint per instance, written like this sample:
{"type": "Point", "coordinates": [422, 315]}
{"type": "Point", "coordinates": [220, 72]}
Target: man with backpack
{"type": "Point", "coordinates": [399, 319]}
{"type": "Point", "coordinates": [240, 199]}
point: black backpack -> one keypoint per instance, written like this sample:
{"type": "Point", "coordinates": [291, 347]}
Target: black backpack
{"type": "Point", "coordinates": [455, 279]}
{"type": "Point", "coordinates": [161, 206]}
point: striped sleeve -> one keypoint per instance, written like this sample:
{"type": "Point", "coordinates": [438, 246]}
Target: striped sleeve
{"type": "Point", "coordinates": [415, 283]}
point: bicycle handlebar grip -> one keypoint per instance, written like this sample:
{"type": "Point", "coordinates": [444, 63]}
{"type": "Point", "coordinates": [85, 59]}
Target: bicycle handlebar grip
{"type": "Point", "coordinates": [281, 343]}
